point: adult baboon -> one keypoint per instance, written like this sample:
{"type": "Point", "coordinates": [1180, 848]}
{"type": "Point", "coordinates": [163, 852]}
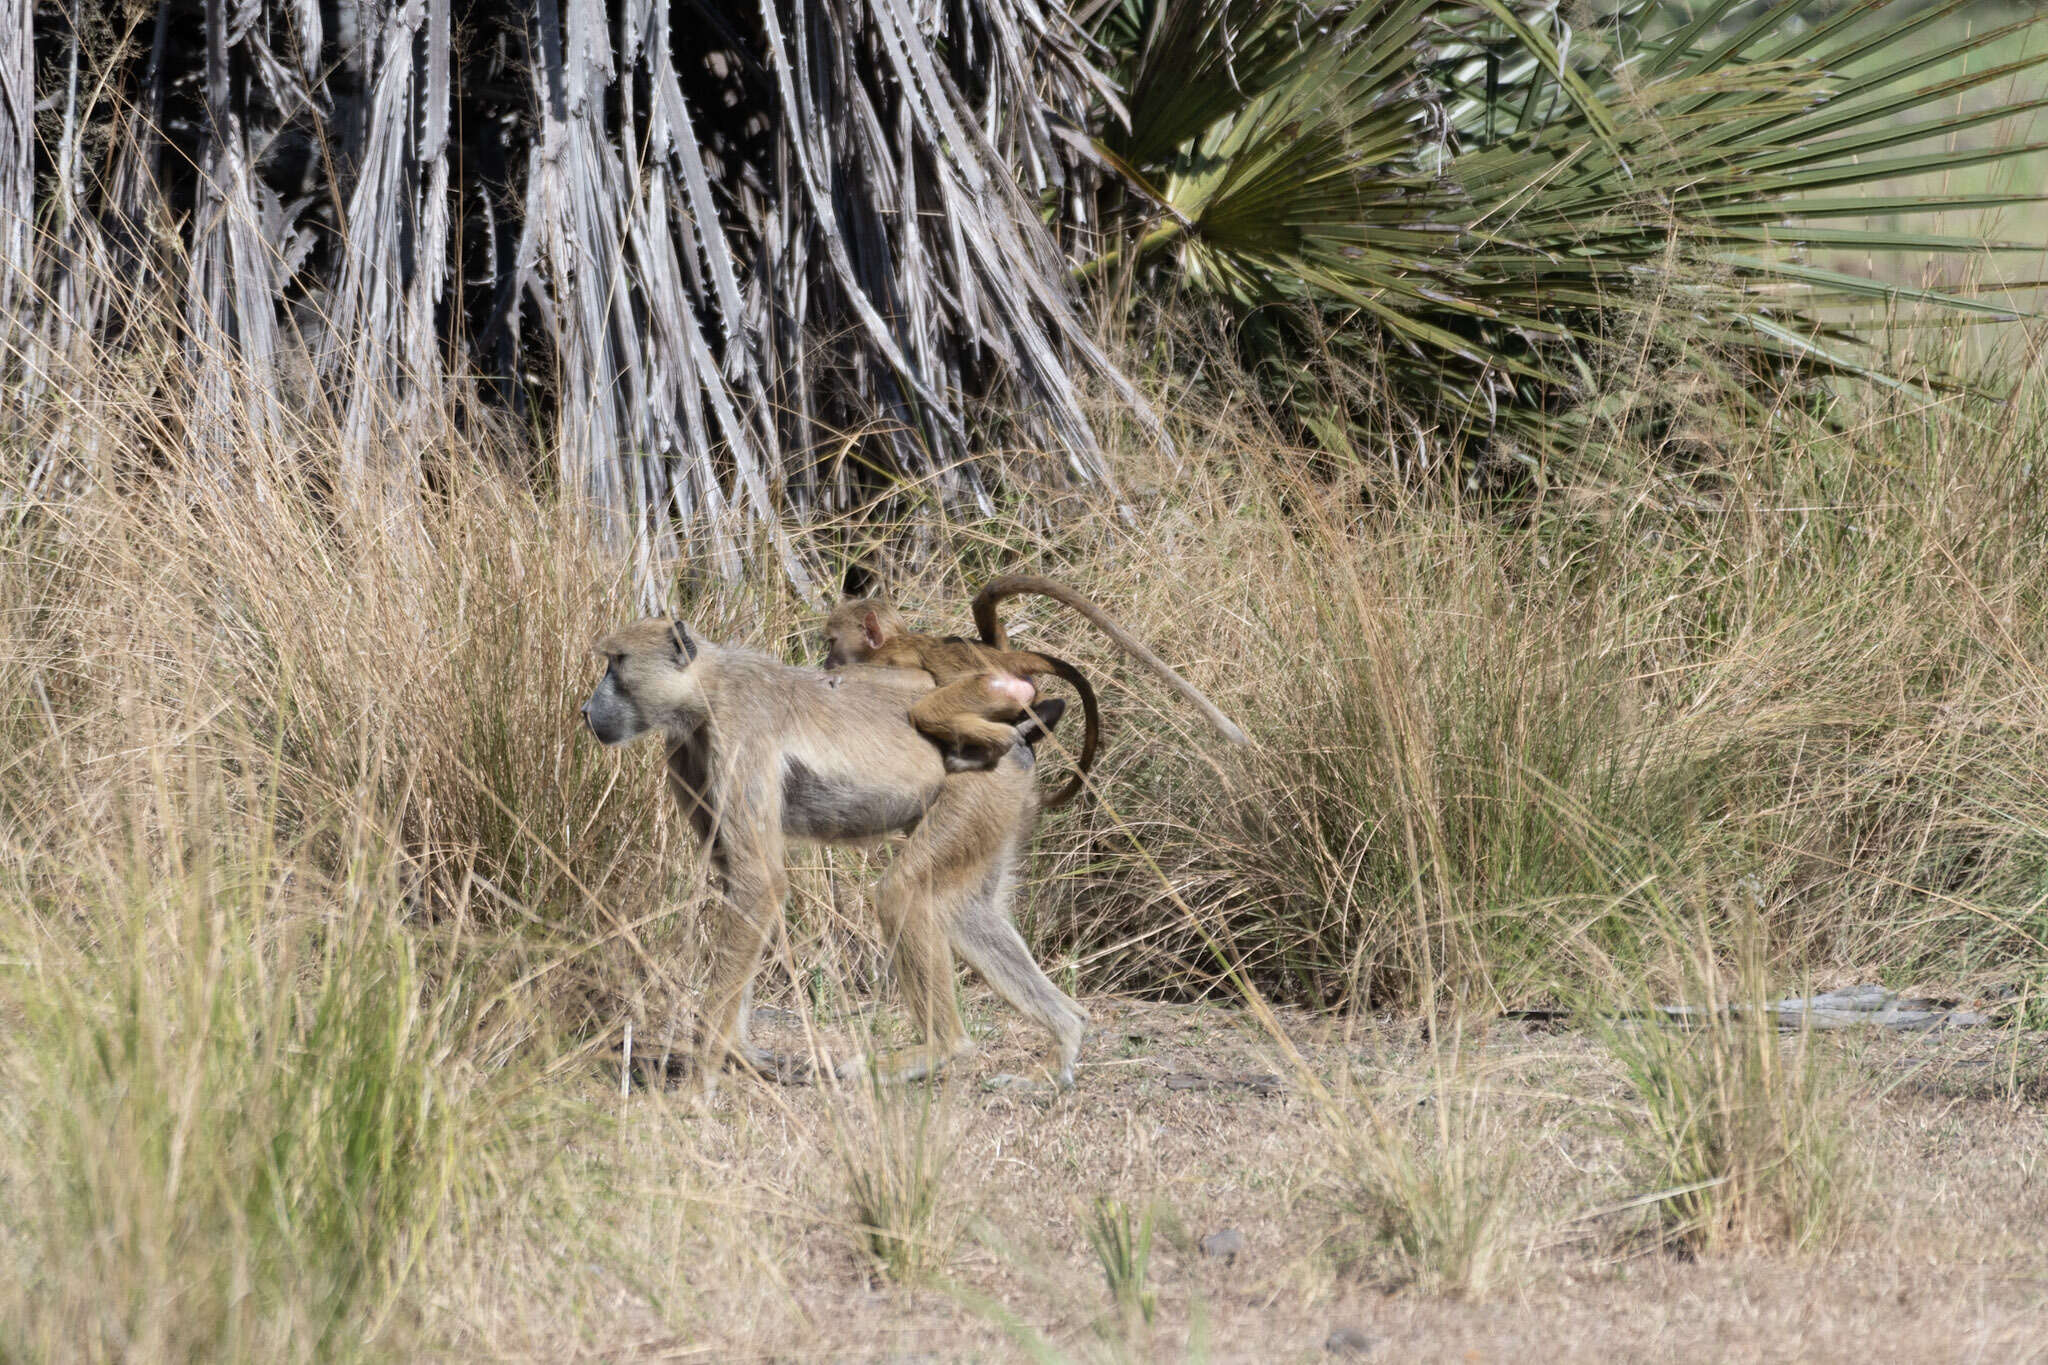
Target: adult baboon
{"type": "Point", "coordinates": [760, 752]}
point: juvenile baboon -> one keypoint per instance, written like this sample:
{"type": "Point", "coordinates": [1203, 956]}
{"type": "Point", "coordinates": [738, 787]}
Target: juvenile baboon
{"type": "Point", "coordinates": [984, 687]}
{"type": "Point", "coordinates": [760, 753]}
{"type": "Point", "coordinates": [979, 695]}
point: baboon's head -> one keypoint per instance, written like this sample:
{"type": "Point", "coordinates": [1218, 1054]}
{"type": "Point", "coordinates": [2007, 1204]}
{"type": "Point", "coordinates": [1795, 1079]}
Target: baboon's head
{"type": "Point", "coordinates": [857, 628]}
{"type": "Point", "coordinates": [645, 684]}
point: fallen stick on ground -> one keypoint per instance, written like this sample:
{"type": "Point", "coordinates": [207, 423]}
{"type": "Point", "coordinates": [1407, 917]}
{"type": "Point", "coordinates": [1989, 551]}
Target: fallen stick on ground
{"type": "Point", "coordinates": [1850, 1007]}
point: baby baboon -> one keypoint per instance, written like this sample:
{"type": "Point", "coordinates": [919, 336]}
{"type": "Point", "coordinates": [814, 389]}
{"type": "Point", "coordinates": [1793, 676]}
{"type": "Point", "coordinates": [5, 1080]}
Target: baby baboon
{"type": "Point", "coordinates": [983, 687]}
{"type": "Point", "coordinates": [980, 694]}
{"type": "Point", "coordinates": [760, 753]}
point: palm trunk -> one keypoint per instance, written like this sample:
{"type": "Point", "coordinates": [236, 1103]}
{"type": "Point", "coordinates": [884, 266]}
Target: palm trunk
{"type": "Point", "coordinates": [17, 181]}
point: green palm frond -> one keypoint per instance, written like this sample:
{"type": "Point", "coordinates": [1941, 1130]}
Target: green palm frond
{"type": "Point", "coordinates": [1481, 197]}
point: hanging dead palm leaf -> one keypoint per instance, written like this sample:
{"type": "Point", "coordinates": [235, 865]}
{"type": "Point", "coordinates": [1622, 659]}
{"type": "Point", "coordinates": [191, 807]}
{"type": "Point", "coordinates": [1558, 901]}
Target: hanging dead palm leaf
{"type": "Point", "coordinates": [707, 244]}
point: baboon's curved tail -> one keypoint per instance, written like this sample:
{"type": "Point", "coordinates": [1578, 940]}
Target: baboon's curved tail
{"type": "Point", "coordinates": [1091, 730]}
{"type": "Point", "coordinates": [1015, 585]}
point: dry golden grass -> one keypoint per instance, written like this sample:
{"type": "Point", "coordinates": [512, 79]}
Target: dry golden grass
{"type": "Point", "coordinates": [725, 1233]}
{"type": "Point", "coordinates": [320, 921]}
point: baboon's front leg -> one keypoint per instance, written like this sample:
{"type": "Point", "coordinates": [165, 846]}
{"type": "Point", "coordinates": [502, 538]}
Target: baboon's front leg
{"type": "Point", "coordinates": [752, 878]}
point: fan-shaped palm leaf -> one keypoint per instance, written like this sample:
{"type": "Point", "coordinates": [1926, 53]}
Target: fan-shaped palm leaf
{"type": "Point", "coordinates": [1482, 196]}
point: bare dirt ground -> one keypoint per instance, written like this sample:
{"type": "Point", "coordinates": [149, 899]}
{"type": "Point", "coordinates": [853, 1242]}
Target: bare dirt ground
{"type": "Point", "coordinates": [665, 1228]}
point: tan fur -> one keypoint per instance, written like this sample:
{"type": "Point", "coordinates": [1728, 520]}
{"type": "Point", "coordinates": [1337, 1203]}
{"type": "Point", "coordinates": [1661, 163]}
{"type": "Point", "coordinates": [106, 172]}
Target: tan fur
{"type": "Point", "coordinates": [760, 753]}
{"type": "Point", "coordinates": [971, 712]}
{"type": "Point", "coordinates": [980, 694]}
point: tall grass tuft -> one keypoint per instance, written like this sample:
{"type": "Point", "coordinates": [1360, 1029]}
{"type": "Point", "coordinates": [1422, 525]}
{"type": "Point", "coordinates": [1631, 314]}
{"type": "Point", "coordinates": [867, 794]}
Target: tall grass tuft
{"type": "Point", "coordinates": [1798, 662]}
{"type": "Point", "coordinates": [1428, 1176]}
{"type": "Point", "coordinates": [895, 1146]}
{"type": "Point", "coordinates": [243, 1115]}
{"type": "Point", "coordinates": [1743, 1125]}
{"type": "Point", "coordinates": [301, 874]}
{"type": "Point", "coordinates": [1122, 1243]}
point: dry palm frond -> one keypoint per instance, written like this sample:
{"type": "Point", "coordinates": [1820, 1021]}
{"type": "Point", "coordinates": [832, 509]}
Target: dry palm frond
{"type": "Point", "coordinates": [703, 242]}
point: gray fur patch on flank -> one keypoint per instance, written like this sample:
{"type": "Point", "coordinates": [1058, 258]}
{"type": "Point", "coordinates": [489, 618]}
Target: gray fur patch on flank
{"type": "Point", "coordinates": [816, 807]}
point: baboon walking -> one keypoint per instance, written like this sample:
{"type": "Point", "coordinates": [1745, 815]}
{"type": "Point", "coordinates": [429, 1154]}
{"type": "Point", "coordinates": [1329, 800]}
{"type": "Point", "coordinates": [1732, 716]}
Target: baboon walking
{"type": "Point", "coordinates": [760, 752]}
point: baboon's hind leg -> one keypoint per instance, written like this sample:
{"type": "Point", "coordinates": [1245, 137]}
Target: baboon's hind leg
{"type": "Point", "coordinates": [974, 720]}
{"type": "Point", "coordinates": [922, 894]}
{"type": "Point", "coordinates": [988, 941]}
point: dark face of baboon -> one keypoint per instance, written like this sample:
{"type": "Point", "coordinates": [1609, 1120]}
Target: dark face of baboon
{"type": "Point", "coordinates": [610, 712]}
{"type": "Point", "coordinates": [642, 666]}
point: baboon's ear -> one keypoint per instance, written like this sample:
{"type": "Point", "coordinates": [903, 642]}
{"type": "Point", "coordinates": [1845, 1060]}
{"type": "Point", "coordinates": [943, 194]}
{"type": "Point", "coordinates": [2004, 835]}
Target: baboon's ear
{"type": "Point", "coordinates": [871, 630]}
{"type": "Point", "coordinates": [679, 636]}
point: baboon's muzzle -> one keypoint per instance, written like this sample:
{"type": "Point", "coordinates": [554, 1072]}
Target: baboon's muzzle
{"type": "Point", "coordinates": [602, 724]}
{"type": "Point", "coordinates": [610, 717]}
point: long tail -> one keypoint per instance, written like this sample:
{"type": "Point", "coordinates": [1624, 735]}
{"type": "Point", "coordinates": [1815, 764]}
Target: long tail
{"type": "Point", "coordinates": [1091, 730]}
{"type": "Point", "coordinates": [1014, 585]}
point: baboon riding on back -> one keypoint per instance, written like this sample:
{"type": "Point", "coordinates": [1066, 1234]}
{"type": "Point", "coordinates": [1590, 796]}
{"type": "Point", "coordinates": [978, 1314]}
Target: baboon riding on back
{"type": "Point", "coordinates": [760, 753]}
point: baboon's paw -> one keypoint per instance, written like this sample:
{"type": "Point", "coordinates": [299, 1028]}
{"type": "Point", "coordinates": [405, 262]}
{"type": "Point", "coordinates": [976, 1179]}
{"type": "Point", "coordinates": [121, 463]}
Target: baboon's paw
{"type": "Point", "coordinates": [658, 1071]}
{"type": "Point", "coordinates": [1040, 719]}
{"type": "Point", "coordinates": [1057, 1079]}
{"type": "Point", "coordinates": [1011, 1081]}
